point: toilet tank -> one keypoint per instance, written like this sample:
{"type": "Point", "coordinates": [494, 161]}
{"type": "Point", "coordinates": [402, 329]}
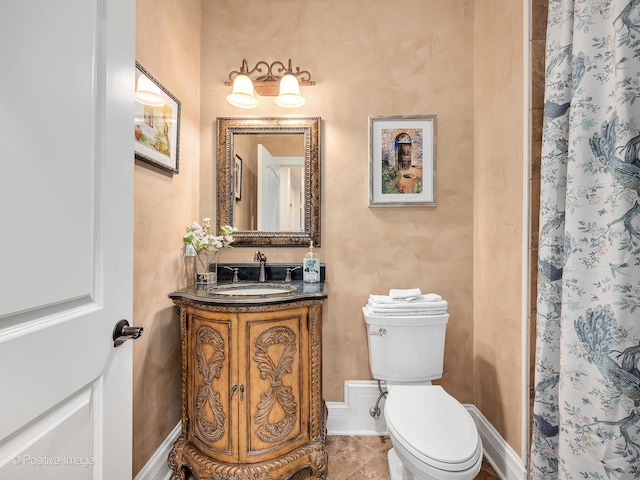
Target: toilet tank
{"type": "Point", "coordinates": [406, 349]}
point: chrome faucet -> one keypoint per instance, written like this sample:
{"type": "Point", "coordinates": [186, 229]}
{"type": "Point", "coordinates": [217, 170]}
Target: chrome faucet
{"type": "Point", "coordinates": [235, 274]}
{"type": "Point", "coordinates": [262, 258]}
{"type": "Point", "coordinates": [287, 278]}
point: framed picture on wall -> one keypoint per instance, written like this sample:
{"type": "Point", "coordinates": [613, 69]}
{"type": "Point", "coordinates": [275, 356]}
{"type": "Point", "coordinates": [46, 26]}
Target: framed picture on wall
{"type": "Point", "coordinates": [156, 123]}
{"type": "Point", "coordinates": [402, 161]}
{"type": "Point", "coordinates": [237, 177]}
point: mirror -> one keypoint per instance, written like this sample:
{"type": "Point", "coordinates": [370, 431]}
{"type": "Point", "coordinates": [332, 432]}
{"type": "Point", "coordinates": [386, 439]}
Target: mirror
{"type": "Point", "coordinates": [268, 180]}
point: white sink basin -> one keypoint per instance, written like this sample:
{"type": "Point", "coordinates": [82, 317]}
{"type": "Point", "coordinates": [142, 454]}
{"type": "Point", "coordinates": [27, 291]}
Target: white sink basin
{"type": "Point", "coordinates": [252, 289]}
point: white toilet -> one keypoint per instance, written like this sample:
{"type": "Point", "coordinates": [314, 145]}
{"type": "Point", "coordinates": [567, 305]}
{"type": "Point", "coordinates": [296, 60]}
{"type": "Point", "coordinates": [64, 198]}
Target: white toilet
{"type": "Point", "coordinates": [433, 435]}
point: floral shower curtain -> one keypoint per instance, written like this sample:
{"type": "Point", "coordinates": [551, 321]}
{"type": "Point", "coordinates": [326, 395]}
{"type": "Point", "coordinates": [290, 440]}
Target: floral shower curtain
{"type": "Point", "coordinates": [586, 414]}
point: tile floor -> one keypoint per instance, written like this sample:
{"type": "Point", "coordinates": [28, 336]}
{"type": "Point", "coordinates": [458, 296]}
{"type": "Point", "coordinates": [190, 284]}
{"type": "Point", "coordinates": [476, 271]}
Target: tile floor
{"type": "Point", "coordinates": [365, 458]}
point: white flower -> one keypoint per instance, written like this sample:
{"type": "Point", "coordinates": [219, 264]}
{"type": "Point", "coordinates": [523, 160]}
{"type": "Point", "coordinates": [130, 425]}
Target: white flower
{"type": "Point", "coordinates": [204, 242]}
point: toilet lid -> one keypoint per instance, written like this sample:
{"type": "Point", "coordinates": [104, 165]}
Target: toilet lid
{"type": "Point", "coordinates": [433, 426]}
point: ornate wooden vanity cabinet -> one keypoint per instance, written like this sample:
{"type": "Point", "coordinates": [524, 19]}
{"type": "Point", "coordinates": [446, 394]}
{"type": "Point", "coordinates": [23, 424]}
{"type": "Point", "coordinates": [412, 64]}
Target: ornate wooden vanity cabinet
{"type": "Point", "coordinates": [252, 406]}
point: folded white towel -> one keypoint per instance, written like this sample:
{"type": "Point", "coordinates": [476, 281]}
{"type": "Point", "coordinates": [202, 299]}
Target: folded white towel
{"type": "Point", "coordinates": [384, 299]}
{"type": "Point", "coordinates": [407, 306]}
{"type": "Point", "coordinates": [412, 313]}
{"type": "Point", "coordinates": [408, 294]}
{"type": "Point", "coordinates": [432, 297]}
{"type": "Point", "coordinates": [377, 312]}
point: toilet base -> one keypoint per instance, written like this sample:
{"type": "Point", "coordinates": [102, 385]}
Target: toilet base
{"type": "Point", "coordinates": [397, 471]}
{"type": "Point", "coordinates": [396, 468]}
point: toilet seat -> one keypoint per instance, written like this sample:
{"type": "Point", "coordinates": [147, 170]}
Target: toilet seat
{"type": "Point", "coordinates": [432, 426]}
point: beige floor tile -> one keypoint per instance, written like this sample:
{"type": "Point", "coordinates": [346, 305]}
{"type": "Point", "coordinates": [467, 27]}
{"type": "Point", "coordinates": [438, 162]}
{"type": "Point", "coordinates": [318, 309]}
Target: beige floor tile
{"type": "Point", "coordinates": [346, 455]}
{"type": "Point", "coordinates": [377, 443]}
{"type": "Point", "coordinates": [365, 458]}
{"type": "Point", "coordinates": [348, 460]}
{"type": "Point", "coordinates": [375, 469]}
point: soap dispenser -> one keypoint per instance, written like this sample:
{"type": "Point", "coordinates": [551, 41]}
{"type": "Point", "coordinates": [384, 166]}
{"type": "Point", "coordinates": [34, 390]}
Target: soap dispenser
{"type": "Point", "coordinates": [311, 266]}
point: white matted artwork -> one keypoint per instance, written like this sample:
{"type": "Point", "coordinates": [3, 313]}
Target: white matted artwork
{"type": "Point", "coordinates": [157, 124]}
{"type": "Point", "coordinates": [237, 177]}
{"type": "Point", "coordinates": [402, 161]}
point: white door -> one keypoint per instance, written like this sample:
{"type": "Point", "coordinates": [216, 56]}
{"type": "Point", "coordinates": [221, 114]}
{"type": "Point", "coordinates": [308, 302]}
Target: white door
{"type": "Point", "coordinates": [280, 186]}
{"type": "Point", "coordinates": [291, 194]}
{"type": "Point", "coordinates": [268, 191]}
{"type": "Point", "coordinates": [66, 206]}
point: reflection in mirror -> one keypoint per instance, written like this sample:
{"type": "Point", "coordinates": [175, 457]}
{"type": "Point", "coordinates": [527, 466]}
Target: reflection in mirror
{"type": "Point", "coordinates": [268, 182]}
{"type": "Point", "coordinates": [273, 177]}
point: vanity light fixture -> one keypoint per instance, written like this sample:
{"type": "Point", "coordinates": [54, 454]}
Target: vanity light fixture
{"type": "Point", "coordinates": [148, 93]}
{"type": "Point", "coordinates": [272, 80]}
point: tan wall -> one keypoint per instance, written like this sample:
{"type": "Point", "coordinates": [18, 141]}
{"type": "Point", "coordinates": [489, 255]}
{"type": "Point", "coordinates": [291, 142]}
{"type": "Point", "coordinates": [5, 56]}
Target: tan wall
{"type": "Point", "coordinates": [368, 58]}
{"type": "Point", "coordinates": [499, 94]}
{"type": "Point", "coordinates": [163, 206]}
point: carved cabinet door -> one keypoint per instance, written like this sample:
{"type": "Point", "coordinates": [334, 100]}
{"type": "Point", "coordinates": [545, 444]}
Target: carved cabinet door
{"type": "Point", "coordinates": [275, 371]}
{"type": "Point", "coordinates": [211, 376]}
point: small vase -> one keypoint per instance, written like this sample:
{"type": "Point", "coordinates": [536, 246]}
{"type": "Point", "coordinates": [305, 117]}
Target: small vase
{"type": "Point", "coordinates": [206, 269]}
{"type": "Point", "coordinates": [407, 182]}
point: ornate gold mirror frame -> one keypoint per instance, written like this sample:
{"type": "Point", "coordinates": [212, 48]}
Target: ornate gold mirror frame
{"type": "Point", "coordinates": [226, 195]}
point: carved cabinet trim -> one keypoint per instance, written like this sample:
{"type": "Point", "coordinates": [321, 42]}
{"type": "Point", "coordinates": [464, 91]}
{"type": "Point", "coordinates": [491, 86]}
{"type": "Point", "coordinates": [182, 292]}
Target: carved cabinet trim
{"type": "Point", "coordinates": [252, 406]}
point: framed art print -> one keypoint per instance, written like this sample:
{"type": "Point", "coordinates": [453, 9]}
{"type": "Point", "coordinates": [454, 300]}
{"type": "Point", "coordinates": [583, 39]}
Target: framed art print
{"type": "Point", "coordinates": [237, 177]}
{"type": "Point", "coordinates": [402, 161]}
{"type": "Point", "coordinates": [157, 123]}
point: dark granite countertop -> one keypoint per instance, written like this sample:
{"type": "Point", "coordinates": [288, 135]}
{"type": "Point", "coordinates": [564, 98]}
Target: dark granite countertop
{"type": "Point", "coordinates": [248, 277]}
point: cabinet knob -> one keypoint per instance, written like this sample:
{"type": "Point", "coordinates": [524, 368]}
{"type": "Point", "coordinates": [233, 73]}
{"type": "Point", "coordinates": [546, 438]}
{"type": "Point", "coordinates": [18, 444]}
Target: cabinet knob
{"type": "Point", "coordinates": [234, 389]}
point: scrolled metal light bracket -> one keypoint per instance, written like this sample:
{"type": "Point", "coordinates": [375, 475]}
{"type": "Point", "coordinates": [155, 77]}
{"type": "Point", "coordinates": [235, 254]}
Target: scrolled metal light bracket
{"type": "Point", "coordinates": [266, 77]}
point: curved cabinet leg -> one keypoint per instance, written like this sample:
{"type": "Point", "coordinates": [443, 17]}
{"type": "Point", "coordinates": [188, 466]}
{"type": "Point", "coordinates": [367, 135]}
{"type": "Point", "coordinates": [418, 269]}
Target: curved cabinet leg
{"type": "Point", "coordinates": [175, 462]}
{"type": "Point", "coordinates": [319, 464]}
{"type": "Point", "coordinates": [179, 475]}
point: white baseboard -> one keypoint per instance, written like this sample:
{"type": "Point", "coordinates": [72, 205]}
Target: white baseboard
{"type": "Point", "coordinates": [157, 468]}
{"type": "Point", "coordinates": [504, 460]}
{"type": "Point", "coordinates": [352, 418]}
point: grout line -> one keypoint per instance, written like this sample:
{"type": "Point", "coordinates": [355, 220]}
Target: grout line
{"type": "Point", "coordinates": [375, 455]}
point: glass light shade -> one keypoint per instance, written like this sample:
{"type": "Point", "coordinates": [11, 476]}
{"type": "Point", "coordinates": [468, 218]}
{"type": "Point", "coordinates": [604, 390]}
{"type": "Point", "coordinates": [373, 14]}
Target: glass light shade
{"type": "Point", "coordinates": [148, 93]}
{"type": "Point", "coordinates": [289, 92]}
{"type": "Point", "coordinates": [242, 94]}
